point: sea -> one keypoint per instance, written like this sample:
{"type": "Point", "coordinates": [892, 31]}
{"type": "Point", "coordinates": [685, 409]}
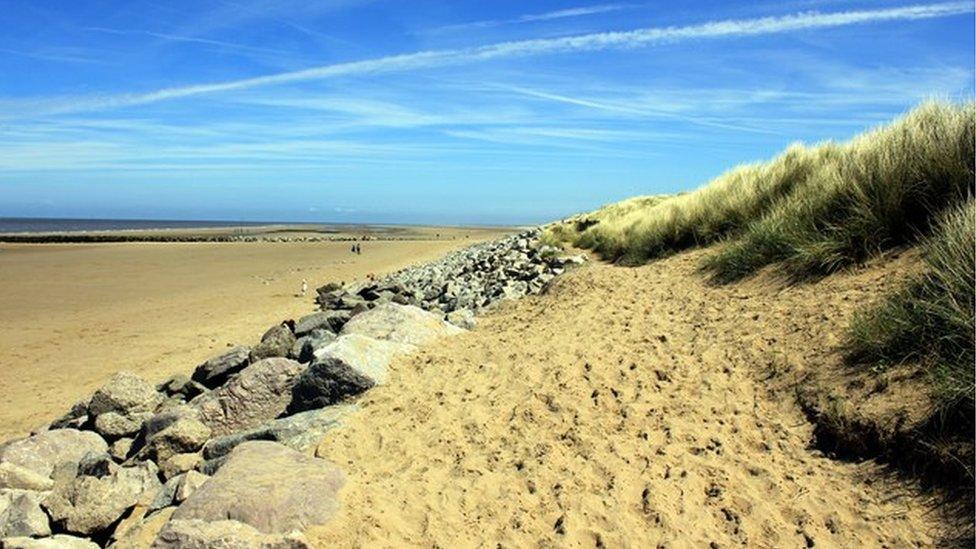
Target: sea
{"type": "Point", "coordinates": [58, 225]}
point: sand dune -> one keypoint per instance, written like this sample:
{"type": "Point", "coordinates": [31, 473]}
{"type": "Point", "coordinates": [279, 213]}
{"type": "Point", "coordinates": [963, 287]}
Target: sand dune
{"type": "Point", "coordinates": [626, 408]}
{"type": "Point", "coordinates": [72, 315]}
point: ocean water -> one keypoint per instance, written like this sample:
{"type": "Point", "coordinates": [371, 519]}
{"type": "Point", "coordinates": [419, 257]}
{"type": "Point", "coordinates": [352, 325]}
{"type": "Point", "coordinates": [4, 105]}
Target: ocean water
{"type": "Point", "coordinates": [49, 225]}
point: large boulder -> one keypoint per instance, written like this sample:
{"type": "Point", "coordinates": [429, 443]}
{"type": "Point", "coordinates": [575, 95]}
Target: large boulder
{"type": "Point", "coordinates": [127, 394]}
{"type": "Point", "coordinates": [226, 534]}
{"type": "Point", "coordinates": [400, 323]}
{"type": "Point", "coordinates": [257, 394]}
{"type": "Point", "coordinates": [185, 435]}
{"type": "Point", "coordinates": [301, 432]}
{"type": "Point", "coordinates": [305, 347]}
{"type": "Point", "coordinates": [180, 385]}
{"type": "Point", "coordinates": [368, 356]}
{"type": "Point", "coordinates": [326, 382]}
{"type": "Point", "coordinates": [327, 320]}
{"type": "Point", "coordinates": [114, 425]}
{"type": "Point", "coordinates": [276, 342]}
{"type": "Point", "coordinates": [269, 487]}
{"type": "Point", "coordinates": [43, 452]}
{"type": "Point", "coordinates": [59, 541]}
{"type": "Point", "coordinates": [88, 505]}
{"type": "Point", "coordinates": [13, 476]}
{"type": "Point", "coordinates": [216, 371]}
{"type": "Point", "coordinates": [21, 514]}
{"type": "Point", "coordinates": [137, 531]}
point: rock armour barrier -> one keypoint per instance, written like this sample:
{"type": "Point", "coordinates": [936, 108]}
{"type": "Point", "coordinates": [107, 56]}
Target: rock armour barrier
{"type": "Point", "coordinates": [224, 456]}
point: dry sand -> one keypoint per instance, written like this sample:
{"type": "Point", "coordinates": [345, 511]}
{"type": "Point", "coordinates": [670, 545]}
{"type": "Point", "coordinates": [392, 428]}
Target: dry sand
{"type": "Point", "coordinates": [72, 315]}
{"type": "Point", "coordinates": [626, 408]}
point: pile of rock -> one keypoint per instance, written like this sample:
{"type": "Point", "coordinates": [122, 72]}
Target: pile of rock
{"type": "Point", "coordinates": [222, 457]}
{"type": "Point", "coordinates": [461, 284]}
{"type": "Point", "coordinates": [219, 457]}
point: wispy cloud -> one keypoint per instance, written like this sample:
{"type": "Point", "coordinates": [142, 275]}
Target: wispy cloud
{"type": "Point", "coordinates": [536, 17]}
{"type": "Point", "coordinates": [57, 56]}
{"type": "Point", "coordinates": [189, 39]}
{"type": "Point", "coordinates": [579, 43]}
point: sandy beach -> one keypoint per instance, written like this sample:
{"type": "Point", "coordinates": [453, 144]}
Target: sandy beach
{"type": "Point", "coordinates": [71, 315]}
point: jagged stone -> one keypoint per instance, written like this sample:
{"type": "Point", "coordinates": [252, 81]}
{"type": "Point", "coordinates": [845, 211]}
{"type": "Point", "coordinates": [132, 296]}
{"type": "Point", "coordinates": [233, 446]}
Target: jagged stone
{"type": "Point", "coordinates": [216, 371]}
{"type": "Point", "coordinates": [259, 393]}
{"type": "Point", "coordinates": [59, 541]}
{"type": "Point", "coordinates": [277, 342]}
{"type": "Point", "coordinates": [301, 431]}
{"type": "Point", "coordinates": [326, 382]}
{"type": "Point", "coordinates": [21, 514]}
{"type": "Point", "coordinates": [13, 476]}
{"type": "Point", "coordinates": [269, 487]}
{"type": "Point", "coordinates": [127, 394]}
{"type": "Point", "coordinates": [226, 534]}
{"type": "Point", "coordinates": [43, 452]}
{"type": "Point", "coordinates": [368, 356]}
{"type": "Point", "coordinates": [400, 324]}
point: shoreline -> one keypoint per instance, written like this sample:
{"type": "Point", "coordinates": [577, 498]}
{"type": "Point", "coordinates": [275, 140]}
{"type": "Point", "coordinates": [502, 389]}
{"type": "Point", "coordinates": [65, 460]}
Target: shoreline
{"type": "Point", "coordinates": [74, 314]}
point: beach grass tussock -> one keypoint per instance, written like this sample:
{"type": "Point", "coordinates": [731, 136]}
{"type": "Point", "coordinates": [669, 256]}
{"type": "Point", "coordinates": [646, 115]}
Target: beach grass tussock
{"type": "Point", "coordinates": [812, 210]}
{"type": "Point", "coordinates": [930, 319]}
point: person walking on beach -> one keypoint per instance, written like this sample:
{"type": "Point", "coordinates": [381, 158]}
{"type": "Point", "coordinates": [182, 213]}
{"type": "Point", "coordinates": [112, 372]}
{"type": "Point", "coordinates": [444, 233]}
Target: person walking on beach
{"type": "Point", "coordinates": [359, 249]}
{"type": "Point", "coordinates": [304, 286]}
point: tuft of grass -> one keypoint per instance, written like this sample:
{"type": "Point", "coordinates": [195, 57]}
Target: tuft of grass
{"type": "Point", "coordinates": [930, 319]}
{"type": "Point", "coordinates": [812, 210]}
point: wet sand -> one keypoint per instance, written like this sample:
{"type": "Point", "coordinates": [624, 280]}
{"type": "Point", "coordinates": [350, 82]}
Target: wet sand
{"type": "Point", "coordinates": [71, 315]}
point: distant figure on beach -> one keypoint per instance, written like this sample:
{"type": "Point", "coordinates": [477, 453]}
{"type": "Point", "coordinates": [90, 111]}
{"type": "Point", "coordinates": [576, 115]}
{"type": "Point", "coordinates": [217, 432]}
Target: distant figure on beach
{"type": "Point", "coordinates": [359, 249]}
{"type": "Point", "coordinates": [353, 250]}
{"type": "Point", "coordinates": [304, 286]}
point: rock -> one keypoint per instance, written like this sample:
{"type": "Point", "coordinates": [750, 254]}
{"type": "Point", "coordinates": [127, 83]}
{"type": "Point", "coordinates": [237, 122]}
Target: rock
{"type": "Point", "coordinates": [327, 320]}
{"type": "Point", "coordinates": [216, 371]}
{"type": "Point", "coordinates": [42, 452]}
{"type": "Point", "coordinates": [326, 382]}
{"type": "Point", "coordinates": [13, 476]}
{"type": "Point", "coordinates": [269, 487]}
{"type": "Point", "coordinates": [167, 417]}
{"type": "Point", "coordinates": [89, 505]}
{"type": "Point", "coordinates": [166, 496]}
{"type": "Point", "coordinates": [179, 463]}
{"type": "Point", "coordinates": [127, 394]}
{"type": "Point", "coordinates": [120, 449]}
{"type": "Point", "coordinates": [74, 419]}
{"type": "Point", "coordinates": [305, 346]}
{"type": "Point", "coordinates": [113, 425]}
{"type": "Point", "coordinates": [276, 343]}
{"type": "Point", "coordinates": [185, 435]}
{"type": "Point", "coordinates": [462, 318]}
{"type": "Point", "coordinates": [59, 541]}
{"type": "Point", "coordinates": [22, 515]}
{"type": "Point", "coordinates": [138, 531]}
{"type": "Point", "coordinates": [301, 432]}
{"type": "Point", "coordinates": [96, 464]}
{"type": "Point", "coordinates": [189, 484]}
{"type": "Point", "coordinates": [368, 356]}
{"type": "Point", "coordinates": [399, 323]}
{"type": "Point", "coordinates": [226, 534]}
{"type": "Point", "coordinates": [259, 393]}
{"type": "Point", "coordinates": [181, 385]}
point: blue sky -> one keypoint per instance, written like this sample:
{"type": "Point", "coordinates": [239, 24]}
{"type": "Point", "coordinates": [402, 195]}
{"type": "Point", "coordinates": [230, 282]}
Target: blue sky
{"type": "Point", "coordinates": [438, 112]}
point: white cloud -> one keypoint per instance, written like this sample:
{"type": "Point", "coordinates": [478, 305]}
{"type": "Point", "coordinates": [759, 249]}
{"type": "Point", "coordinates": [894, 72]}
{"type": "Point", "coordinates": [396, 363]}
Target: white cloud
{"type": "Point", "coordinates": [586, 42]}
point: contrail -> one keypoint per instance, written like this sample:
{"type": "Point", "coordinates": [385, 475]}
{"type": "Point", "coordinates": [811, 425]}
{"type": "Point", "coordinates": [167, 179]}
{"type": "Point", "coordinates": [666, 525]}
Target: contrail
{"type": "Point", "coordinates": [580, 43]}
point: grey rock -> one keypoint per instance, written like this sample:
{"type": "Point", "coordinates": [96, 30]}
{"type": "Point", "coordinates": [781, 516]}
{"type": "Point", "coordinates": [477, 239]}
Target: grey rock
{"type": "Point", "coordinates": [89, 505]}
{"type": "Point", "coordinates": [96, 464]}
{"type": "Point", "coordinates": [302, 431]}
{"type": "Point", "coordinates": [462, 318]}
{"type": "Point", "coordinates": [305, 346]}
{"type": "Point", "coordinates": [167, 417]}
{"type": "Point", "coordinates": [277, 342]}
{"type": "Point", "coordinates": [120, 449]}
{"type": "Point", "coordinates": [269, 487]}
{"type": "Point", "coordinates": [191, 481]}
{"type": "Point", "coordinates": [180, 463]}
{"type": "Point", "coordinates": [216, 371]}
{"type": "Point", "coordinates": [400, 323]}
{"type": "Point", "coordinates": [113, 425]}
{"type": "Point", "coordinates": [59, 541]}
{"type": "Point", "coordinates": [13, 476]}
{"type": "Point", "coordinates": [75, 418]}
{"type": "Point", "coordinates": [326, 382]}
{"type": "Point", "coordinates": [226, 534]}
{"type": "Point", "coordinates": [21, 514]}
{"type": "Point", "coordinates": [126, 393]}
{"type": "Point", "coordinates": [259, 393]}
{"type": "Point", "coordinates": [185, 435]}
{"type": "Point", "coordinates": [325, 320]}
{"type": "Point", "coordinates": [182, 386]}
{"type": "Point", "coordinates": [43, 452]}
{"type": "Point", "coordinates": [367, 356]}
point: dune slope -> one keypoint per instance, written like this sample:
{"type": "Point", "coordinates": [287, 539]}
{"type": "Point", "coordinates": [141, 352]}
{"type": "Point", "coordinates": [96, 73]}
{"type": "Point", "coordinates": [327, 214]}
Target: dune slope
{"type": "Point", "coordinates": [627, 407]}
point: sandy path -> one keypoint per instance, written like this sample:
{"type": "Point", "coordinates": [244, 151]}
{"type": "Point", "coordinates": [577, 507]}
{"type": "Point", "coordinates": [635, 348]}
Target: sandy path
{"type": "Point", "coordinates": [72, 315]}
{"type": "Point", "coordinates": [628, 407]}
